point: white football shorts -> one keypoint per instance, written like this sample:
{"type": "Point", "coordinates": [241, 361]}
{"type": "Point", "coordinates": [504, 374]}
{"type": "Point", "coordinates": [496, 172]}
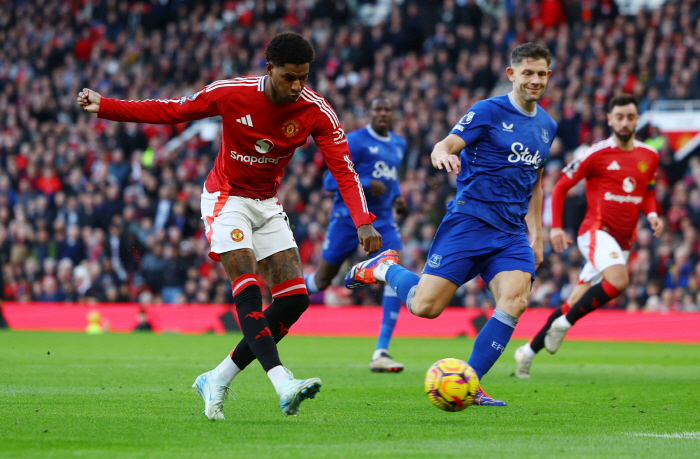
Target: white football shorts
{"type": "Point", "coordinates": [601, 251]}
{"type": "Point", "coordinates": [233, 222]}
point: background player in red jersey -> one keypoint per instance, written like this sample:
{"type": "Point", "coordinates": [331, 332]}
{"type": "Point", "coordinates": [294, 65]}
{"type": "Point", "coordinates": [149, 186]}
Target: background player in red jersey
{"type": "Point", "coordinates": [265, 118]}
{"type": "Point", "coordinates": [620, 174]}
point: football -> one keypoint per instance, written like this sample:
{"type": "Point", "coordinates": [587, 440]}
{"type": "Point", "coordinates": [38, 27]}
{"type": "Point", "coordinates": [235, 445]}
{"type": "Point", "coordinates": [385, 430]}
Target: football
{"type": "Point", "coordinates": [451, 384]}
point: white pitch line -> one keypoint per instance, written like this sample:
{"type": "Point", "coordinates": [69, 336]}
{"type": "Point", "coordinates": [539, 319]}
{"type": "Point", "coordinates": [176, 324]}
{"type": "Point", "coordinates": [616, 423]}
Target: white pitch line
{"type": "Point", "coordinates": [687, 435]}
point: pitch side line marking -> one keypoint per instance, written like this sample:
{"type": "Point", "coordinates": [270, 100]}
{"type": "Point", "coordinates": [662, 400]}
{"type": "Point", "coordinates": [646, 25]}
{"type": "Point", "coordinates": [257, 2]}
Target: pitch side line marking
{"type": "Point", "coordinates": [685, 435]}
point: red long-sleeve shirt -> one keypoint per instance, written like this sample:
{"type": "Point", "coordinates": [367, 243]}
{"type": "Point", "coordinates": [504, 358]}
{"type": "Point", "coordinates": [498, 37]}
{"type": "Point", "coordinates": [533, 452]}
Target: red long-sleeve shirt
{"type": "Point", "coordinates": [619, 184]}
{"type": "Point", "coordinates": [259, 137]}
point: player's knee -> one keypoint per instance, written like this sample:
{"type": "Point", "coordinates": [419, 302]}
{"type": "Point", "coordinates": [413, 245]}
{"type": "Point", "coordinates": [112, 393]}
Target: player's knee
{"type": "Point", "coordinates": [620, 282]}
{"type": "Point", "coordinates": [514, 306]}
{"type": "Point", "coordinates": [293, 305]}
{"type": "Point", "coordinates": [302, 302]}
{"type": "Point", "coordinates": [298, 301]}
{"type": "Point", "coordinates": [618, 278]}
{"type": "Point", "coordinates": [425, 309]}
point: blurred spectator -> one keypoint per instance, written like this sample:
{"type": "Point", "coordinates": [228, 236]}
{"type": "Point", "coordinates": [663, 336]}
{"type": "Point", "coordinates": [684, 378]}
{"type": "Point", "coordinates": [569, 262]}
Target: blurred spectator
{"type": "Point", "coordinates": [142, 322]}
{"type": "Point", "coordinates": [98, 211]}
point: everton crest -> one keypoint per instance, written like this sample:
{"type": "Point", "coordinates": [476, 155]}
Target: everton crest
{"type": "Point", "coordinates": [466, 119]}
{"type": "Point", "coordinates": [435, 260]}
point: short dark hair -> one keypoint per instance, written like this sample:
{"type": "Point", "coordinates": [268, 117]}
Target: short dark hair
{"type": "Point", "coordinates": [622, 100]}
{"type": "Point", "coordinates": [289, 48]}
{"type": "Point", "coordinates": [530, 51]}
{"type": "Point", "coordinates": [379, 98]}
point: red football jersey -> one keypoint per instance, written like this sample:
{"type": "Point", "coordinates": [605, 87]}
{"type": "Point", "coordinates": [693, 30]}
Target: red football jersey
{"type": "Point", "coordinates": [259, 138]}
{"type": "Point", "coordinates": [619, 184]}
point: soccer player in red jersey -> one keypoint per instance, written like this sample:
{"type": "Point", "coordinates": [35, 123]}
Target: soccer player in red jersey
{"type": "Point", "coordinates": [265, 119]}
{"type": "Point", "coordinates": [620, 175]}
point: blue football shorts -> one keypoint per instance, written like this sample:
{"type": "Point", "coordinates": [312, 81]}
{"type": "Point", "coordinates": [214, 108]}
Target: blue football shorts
{"type": "Point", "coordinates": [465, 247]}
{"type": "Point", "coordinates": [341, 239]}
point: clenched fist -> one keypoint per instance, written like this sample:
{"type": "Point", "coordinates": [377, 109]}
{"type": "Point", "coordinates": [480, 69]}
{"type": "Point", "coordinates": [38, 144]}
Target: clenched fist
{"type": "Point", "coordinates": [89, 100]}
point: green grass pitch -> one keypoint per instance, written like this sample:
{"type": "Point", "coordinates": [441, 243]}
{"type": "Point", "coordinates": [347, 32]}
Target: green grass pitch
{"type": "Point", "coordinates": [119, 395]}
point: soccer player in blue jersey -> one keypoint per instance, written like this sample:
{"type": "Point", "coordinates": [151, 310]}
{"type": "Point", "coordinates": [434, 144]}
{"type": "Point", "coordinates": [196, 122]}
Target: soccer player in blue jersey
{"type": "Point", "coordinates": [502, 143]}
{"type": "Point", "coordinates": [377, 154]}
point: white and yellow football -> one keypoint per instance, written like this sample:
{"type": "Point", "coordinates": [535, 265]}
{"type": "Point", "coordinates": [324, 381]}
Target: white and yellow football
{"type": "Point", "coordinates": [451, 384]}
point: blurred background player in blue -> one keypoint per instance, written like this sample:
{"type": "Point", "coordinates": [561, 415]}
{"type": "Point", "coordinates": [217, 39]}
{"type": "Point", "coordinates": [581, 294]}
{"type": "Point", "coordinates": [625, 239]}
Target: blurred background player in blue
{"type": "Point", "coordinates": [502, 143]}
{"type": "Point", "coordinates": [377, 154]}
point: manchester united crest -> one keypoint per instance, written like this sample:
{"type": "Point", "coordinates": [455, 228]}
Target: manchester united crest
{"type": "Point", "coordinates": [642, 166]}
{"type": "Point", "coordinates": [290, 128]}
{"type": "Point", "coordinates": [237, 235]}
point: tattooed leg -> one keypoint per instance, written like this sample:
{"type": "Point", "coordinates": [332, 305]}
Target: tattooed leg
{"type": "Point", "coordinates": [239, 262]}
{"type": "Point", "coordinates": [241, 267]}
{"type": "Point", "coordinates": [281, 266]}
{"type": "Point", "coordinates": [282, 271]}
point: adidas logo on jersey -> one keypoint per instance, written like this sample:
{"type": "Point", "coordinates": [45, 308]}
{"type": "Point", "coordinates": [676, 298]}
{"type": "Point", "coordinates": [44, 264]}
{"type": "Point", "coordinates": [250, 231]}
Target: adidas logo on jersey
{"type": "Point", "coordinates": [245, 120]}
{"type": "Point", "coordinates": [614, 166]}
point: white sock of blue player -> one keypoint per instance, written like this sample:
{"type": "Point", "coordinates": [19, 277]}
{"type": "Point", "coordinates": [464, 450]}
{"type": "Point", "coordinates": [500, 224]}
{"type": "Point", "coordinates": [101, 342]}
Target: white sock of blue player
{"type": "Point", "coordinates": [380, 271]}
{"type": "Point", "coordinates": [492, 341]}
{"type": "Point", "coordinates": [391, 304]}
{"type": "Point", "coordinates": [311, 286]}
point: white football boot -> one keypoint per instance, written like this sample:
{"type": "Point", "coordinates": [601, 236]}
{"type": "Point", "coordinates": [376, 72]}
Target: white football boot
{"type": "Point", "coordinates": [214, 390]}
{"type": "Point", "coordinates": [385, 364]}
{"type": "Point", "coordinates": [294, 391]}
{"type": "Point", "coordinates": [556, 333]}
{"type": "Point", "coordinates": [523, 358]}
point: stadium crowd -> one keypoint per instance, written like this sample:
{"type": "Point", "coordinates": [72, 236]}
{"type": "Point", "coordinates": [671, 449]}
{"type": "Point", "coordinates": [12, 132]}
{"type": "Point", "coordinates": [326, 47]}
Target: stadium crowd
{"type": "Point", "coordinates": [92, 210]}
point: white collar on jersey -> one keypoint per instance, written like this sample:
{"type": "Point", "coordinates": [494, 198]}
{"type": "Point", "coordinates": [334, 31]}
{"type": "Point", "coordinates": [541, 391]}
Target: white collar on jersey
{"type": "Point", "coordinates": [374, 134]}
{"type": "Point", "coordinates": [261, 83]}
{"type": "Point", "coordinates": [519, 108]}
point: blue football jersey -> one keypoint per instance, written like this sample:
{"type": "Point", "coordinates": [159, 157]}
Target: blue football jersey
{"type": "Point", "coordinates": [506, 146]}
{"type": "Point", "coordinates": [375, 157]}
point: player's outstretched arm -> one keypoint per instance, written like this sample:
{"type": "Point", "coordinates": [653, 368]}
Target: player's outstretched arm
{"type": "Point", "coordinates": [89, 100]}
{"type": "Point", "coordinates": [370, 239]}
{"type": "Point", "coordinates": [330, 139]}
{"type": "Point", "coordinates": [444, 155]}
{"type": "Point", "coordinates": [161, 111]}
